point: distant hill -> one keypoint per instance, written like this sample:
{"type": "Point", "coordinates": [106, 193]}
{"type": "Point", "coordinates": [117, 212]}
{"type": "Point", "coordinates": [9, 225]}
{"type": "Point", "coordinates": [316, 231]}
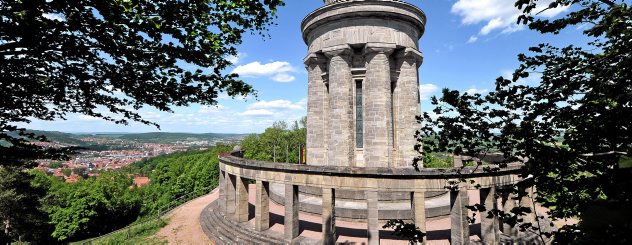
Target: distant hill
{"type": "Point", "coordinates": [155, 137]}
{"type": "Point", "coordinates": [55, 136]}
{"type": "Point", "coordinates": [172, 137]}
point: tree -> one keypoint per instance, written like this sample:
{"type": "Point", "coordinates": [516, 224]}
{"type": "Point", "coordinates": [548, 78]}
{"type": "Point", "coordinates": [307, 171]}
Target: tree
{"type": "Point", "coordinates": [92, 206]}
{"type": "Point", "coordinates": [19, 196]}
{"type": "Point", "coordinates": [571, 129]}
{"type": "Point", "coordinates": [55, 164]}
{"type": "Point", "coordinates": [279, 136]}
{"type": "Point", "coordinates": [107, 59]}
{"type": "Point", "coordinates": [66, 171]}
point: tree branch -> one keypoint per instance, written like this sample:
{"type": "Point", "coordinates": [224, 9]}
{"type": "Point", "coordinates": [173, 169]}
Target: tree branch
{"type": "Point", "coordinates": [607, 2]}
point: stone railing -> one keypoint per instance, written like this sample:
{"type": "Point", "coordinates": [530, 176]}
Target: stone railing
{"type": "Point", "coordinates": [235, 172]}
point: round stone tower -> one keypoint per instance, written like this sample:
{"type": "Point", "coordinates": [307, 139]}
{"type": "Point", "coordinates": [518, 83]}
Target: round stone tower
{"type": "Point", "coordinates": [363, 92]}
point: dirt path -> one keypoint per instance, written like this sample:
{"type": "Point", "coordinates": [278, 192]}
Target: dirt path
{"type": "Point", "coordinates": [184, 222]}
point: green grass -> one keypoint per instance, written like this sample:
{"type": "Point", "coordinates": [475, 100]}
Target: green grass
{"type": "Point", "coordinates": [626, 162]}
{"type": "Point", "coordinates": [432, 160]}
{"type": "Point", "coordinates": [138, 234]}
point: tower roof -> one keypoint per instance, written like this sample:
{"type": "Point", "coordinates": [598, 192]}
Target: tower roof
{"type": "Point", "coordinates": [327, 2]}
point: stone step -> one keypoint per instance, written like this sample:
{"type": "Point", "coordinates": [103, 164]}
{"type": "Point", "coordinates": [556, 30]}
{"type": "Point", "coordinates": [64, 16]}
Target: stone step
{"type": "Point", "coordinates": [225, 231]}
{"type": "Point", "coordinates": [248, 232]}
{"type": "Point", "coordinates": [210, 224]}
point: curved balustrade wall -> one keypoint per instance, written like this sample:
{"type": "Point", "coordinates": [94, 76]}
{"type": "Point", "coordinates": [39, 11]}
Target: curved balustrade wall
{"type": "Point", "coordinates": [236, 171]}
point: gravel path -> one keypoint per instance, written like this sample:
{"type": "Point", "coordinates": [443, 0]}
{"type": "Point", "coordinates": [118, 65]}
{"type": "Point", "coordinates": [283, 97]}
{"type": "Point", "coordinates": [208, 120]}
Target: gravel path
{"type": "Point", "coordinates": [184, 222]}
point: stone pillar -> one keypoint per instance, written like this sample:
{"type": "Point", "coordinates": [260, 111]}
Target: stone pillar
{"type": "Point", "coordinates": [222, 191]}
{"type": "Point", "coordinates": [460, 227]}
{"type": "Point", "coordinates": [419, 211]}
{"type": "Point", "coordinates": [378, 126]}
{"type": "Point", "coordinates": [373, 226]}
{"type": "Point", "coordinates": [230, 195]}
{"type": "Point", "coordinates": [406, 106]}
{"type": "Point", "coordinates": [291, 223]}
{"type": "Point", "coordinates": [329, 216]}
{"type": "Point", "coordinates": [508, 203]}
{"type": "Point", "coordinates": [262, 206]}
{"type": "Point", "coordinates": [490, 231]}
{"type": "Point", "coordinates": [525, 201]}
{"type": "Point", "coordinates": [341, 146]}
{"type": "Point", "coordinates": [317, 106]}
{"type": "Point", "coordinates": [241, 197]}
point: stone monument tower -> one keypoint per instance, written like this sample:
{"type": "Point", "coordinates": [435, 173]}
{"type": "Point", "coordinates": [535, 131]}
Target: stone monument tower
{"type": "Point", "coordinates": [363, 91]}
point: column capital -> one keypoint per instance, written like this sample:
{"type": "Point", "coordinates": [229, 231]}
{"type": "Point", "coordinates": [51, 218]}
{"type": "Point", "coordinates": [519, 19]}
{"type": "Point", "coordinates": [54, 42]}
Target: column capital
{"type": "Point", "coordinates": [383, 48]}
{"type": "Point", "coordinates": [411, 54]}
{"type": "Point", "coordinates": [314, 59]}
{"type": "Point", "coordinates": [343, 50]}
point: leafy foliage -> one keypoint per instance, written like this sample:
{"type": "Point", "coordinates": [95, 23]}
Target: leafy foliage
{"type": "Point", "coordinates": [275, 140]}
{"type": "Point", "coordinates": [18, 195]}
{"type": "Point", "coordinates": [108, 59]}
{"type": "Point", "coordinates": [569, 128]}
{"type": "Point", "coordinates": [93, 206]}
{"type": "Point", "coordinates": [173, 176]}
{"type": "Point", "coordinates": [401, 228]}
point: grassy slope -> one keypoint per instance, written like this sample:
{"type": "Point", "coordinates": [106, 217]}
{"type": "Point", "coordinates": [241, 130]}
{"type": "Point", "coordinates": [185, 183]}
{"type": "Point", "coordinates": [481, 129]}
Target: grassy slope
{"type": "Point", "coordinates": [138, 234]}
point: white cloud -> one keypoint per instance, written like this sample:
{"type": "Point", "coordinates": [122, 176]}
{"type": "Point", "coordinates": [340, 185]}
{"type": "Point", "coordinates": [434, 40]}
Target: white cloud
{"type": "Point", "coordinates": [474, 90]}
{"type": "Point", "coordinates": [283, 78]}
{"type": "Point", "coordinates": [472, 39]}
{"type": "Point", "coordinates": [257, 113]}
{"type": "Point", "coordinates": [427, 90]}
{"type": "Point", "coordinates": [211, 109]}
{"type": "Point", "coordinates": [497, 15]}
{"type": "Point", "coordinates": [278, 105]}
{"type": "Point", "coordinates": [279, 71]}
{"type": "Point", "coordinates": [236, 58]}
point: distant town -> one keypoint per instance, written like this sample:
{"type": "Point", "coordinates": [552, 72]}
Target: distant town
{"type": "Point", "coordinates": [99, 152]}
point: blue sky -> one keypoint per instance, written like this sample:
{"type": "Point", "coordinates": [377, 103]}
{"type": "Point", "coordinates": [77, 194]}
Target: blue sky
{"type": "Point", "coordinates": [466, 46]}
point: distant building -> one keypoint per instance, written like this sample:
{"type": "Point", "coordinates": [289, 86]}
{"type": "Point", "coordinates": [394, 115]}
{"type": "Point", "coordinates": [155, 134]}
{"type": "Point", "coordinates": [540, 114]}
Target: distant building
{"type": "Point", "coordinates": [141, 181]}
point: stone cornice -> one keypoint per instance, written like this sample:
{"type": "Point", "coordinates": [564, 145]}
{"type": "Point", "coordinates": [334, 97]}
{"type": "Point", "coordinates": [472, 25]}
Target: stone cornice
{"type": "Point", "coordinates": [383, 48]}
{"type": "Point", "coordinates": [412, 55]}
{"type": "Point", "coordinates": [372, 9]}
{"type": "Point", "coordinates": [314, 59]}
{"type": "Point", "coordinates": [339, 50]}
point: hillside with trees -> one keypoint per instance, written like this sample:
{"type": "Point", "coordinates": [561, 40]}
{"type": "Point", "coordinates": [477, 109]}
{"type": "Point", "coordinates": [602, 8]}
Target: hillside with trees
{"type": "Point", "coordinates": [53, 211]}
{"type": "Point", "coordinates": [105, 60]}
{"type": "Point", "coordinates": [278, 143]}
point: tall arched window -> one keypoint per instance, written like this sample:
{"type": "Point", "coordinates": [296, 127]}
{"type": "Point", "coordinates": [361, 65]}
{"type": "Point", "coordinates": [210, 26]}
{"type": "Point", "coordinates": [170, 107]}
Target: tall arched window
{"type": "Point", "coordinates": [358, 111]}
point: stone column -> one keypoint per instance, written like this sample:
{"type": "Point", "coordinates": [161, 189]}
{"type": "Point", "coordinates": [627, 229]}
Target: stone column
{"type": "Point", "coordinates": [508, 204]}
{"type": "Point", "coordinates": [419, 211]}
{"type": "Point", "coordinates": [291, 221]}
{"type": "Point", "coordinates": [341, 146]}
{"type": "Point", "coordinates": [489, 225]}
{"type": "Point", "coordinates": [317, 106]}
{"type": "Point", "coordinates": [262, 206]}
{"type": "Point", "coordinates": [222, 191]}
{"type": "Point", "coordinates": [378, 126]}
{"type": "Point", "coordinates": [460, 227]}
{"type": "Point", "coordinates": [241, 197]}
{"type": "Point", "coordinates": [406, 106]}
{"type": "Point", "coordinates": [525, 201]}
{"type": "Point", "coordinates": [329, 216]}
{"type": "Point", "coordinates": [373, 226]}
{"type": "Point", "coordinates": [230, 195]}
